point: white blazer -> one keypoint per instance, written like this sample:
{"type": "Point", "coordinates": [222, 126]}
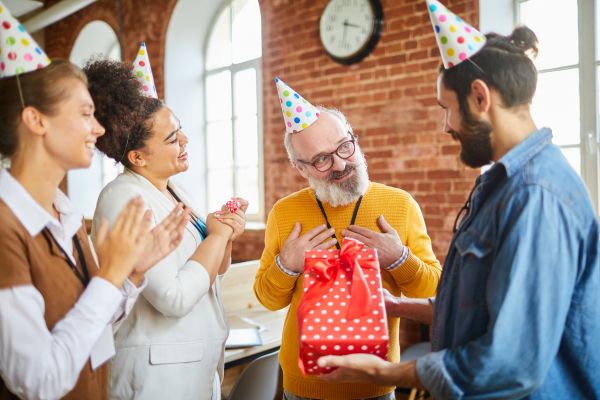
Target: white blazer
{"type": "Point", "coordinates": [171, 345]}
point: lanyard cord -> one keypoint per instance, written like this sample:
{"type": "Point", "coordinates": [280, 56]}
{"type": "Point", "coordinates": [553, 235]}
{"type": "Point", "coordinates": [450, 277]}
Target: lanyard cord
{"type": "Point", "coordinates": [195, 220]}
{"type": "Point", "coordinates": [83, 278]}
{"type": "Point", "coordinates": [354, 214]}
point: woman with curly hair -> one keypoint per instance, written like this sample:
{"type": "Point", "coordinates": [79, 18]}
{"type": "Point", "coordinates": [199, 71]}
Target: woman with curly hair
{"type": "Point", "coordinates": [172, 344]}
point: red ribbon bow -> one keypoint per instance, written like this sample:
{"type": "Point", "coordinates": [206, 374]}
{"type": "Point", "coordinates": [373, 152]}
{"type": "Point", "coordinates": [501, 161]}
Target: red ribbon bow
{"type": "Point", "coordinates": [326, 270]}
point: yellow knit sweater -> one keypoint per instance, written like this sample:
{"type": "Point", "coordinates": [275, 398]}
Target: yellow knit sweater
{"type": "Point", "coordinates": [417, 277]}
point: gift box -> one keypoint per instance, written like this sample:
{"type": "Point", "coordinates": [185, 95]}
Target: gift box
{"type": "Point", "coordinates": [342, 309]}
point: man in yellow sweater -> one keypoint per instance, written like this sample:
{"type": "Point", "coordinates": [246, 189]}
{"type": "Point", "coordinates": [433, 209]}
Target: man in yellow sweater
{"type": "Point", "coordinates": [340, 202]}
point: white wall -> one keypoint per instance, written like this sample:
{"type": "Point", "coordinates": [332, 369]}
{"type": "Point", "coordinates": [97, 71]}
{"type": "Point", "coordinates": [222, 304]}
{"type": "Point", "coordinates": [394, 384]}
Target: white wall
{"type": "Point", "coordinates": [84, 185]}
{"type": "Point", "coordinates": [496, 16]}
{"type": "Point", "coordinates": [184, 84]}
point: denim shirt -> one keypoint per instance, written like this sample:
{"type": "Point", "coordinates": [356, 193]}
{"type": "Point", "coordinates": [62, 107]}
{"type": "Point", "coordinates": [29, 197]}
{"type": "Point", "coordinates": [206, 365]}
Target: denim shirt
{"type": "Point", "coordinates": [517, 312]}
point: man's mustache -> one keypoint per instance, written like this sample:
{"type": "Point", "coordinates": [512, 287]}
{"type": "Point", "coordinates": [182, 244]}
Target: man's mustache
{"type": "Point", "coordinates": [338, 174]}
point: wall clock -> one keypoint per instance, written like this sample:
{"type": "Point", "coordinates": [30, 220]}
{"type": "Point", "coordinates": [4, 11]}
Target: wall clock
{"type": "Point", "coordinates": [350, 29]}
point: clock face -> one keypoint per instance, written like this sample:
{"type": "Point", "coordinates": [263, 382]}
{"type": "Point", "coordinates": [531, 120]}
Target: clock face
{"type": "Point", "coordinates": [349, 29]}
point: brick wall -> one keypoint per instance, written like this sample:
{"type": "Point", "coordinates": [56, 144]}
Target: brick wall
{"type": "Point", "coordinates": [389, 98]}
{"type": "Point", "coordinates": [142, 20]}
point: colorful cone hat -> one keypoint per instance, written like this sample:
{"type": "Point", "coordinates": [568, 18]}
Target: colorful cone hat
{"type": "Point", "coordinates": [456, 39]}
{"type": "Point", "coordinates": [19, 53]}
{"type": "Point", "coordinates": [298, 113]}
{"type": "Point", "coordinates": [143, 72]}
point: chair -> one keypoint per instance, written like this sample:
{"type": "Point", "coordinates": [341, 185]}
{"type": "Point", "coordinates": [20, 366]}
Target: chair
{"type": "Point", "coordinates": [260, 380]}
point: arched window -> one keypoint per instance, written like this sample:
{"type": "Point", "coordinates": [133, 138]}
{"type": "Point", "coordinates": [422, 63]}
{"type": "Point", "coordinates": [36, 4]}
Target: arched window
{"type": "Point", "coordinates": [234, 108]}
{"type": "Point", "coordinates": [97, 38]}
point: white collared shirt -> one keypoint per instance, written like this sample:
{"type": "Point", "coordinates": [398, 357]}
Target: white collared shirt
{"type": "Point", "coordinates": [34, 362]}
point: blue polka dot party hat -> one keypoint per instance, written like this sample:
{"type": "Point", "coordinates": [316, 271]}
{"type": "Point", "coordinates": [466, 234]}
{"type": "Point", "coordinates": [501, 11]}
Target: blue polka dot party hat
{"type": "Point", "coordinates": [456, 39]}
{"type": "Point", "coordinates": [298, 113]}
{"type": "Point", "coordinates": [19, 53]}
{"type": "Point", "coordinates": [143, 72]}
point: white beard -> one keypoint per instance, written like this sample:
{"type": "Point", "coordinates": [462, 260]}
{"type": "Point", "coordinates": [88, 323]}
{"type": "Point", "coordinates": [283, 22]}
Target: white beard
{"type": "Point", "coordinates": [345, 192]}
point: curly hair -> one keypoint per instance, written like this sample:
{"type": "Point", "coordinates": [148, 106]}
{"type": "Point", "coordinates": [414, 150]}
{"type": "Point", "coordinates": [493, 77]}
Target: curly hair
{"type": "Point", "coordinates": [120, 107]}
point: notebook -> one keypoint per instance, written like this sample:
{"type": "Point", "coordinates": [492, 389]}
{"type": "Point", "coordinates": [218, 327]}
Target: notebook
{"type": "Point", "coordinates": [243, 337]}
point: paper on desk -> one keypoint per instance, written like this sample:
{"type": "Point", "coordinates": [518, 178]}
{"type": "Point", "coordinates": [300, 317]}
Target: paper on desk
{"type": "Point", "coordinates": [237, 322]}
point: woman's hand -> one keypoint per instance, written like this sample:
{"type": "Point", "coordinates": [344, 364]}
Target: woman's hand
{"type": "Point", "coordinates": [163, 239]}
{"type": "Point", "coordinates": [237, 220]}
{"type": "Point", "coordinates": [119, 248]}
{"type": "Point", "coordinates": [217, 228]}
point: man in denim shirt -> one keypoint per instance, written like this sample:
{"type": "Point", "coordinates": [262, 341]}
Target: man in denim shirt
{"type": "Point", "coordinates": [517, 313]}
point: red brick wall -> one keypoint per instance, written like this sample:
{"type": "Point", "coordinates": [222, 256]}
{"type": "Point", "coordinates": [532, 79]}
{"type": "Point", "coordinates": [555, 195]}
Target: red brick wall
{"type": "Point", "coordinates": [389, 98]}
{"type": "Point", "coordinates": [142, 20]}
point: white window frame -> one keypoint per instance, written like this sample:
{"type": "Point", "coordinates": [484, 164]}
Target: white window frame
{"type": "Point", "coordinates": [233, 69]}
{"type": "Point", "coordinates": [588, 99]}
{"type": "Point", "coordinates": [502, 15]}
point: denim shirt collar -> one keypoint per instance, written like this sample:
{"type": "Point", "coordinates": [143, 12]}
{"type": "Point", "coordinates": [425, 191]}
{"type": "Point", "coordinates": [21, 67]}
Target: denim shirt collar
{"type": "Point", "coordinates": [520, 155]}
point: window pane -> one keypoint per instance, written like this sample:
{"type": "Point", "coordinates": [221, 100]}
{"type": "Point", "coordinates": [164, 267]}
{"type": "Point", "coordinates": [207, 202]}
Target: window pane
{"type": "Point", "coordinates": [246, 141]}
{"type": "Point", "coordinates": [597, 24]}
{"type": "Point", "coordinates": [247, 187]}
{"type": "Point", "coordinates": [555, 24]}
{"type": "Point", "coordinates": [573, 155]}
{"type": "Point", "coordinates": [220, 188]}
{"type": "Point", "coordinates": [550, 109]}
{"type": "Point", "coordinates": [244, 92]}
{"type": "Point", "coordinates": [246, 30]}
{"type": "Point", "coordinates": [219, 145]}
{"type": "Point", "coordinates": [84, 186]}
{"type": "Point", "coordinates": [218, 53]}
{"type": "Point", "coordinates": [218, 95]}
{"type": "Point", "coordinates": [110, 170]}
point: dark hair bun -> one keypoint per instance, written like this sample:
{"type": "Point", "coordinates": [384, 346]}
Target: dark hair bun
{"type": "Point", "coordinates": [524, 39]}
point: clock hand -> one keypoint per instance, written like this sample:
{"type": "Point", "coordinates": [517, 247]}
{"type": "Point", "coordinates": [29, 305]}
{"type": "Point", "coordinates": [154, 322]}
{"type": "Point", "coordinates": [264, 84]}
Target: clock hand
{"type": "Point", "coordinates": [344, 34]}
{"type": "Point", "coordinates": [346, 23]}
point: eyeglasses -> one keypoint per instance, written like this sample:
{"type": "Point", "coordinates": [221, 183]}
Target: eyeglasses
{"type": "Point", "coordinates": [324, 162]}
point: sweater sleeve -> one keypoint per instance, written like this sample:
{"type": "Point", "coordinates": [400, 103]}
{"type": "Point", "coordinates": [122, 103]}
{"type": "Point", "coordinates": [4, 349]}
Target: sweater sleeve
{"type": "Point", "coordinates": [273, 287]}
{"type": "Point", "coordinates": [418, 276]}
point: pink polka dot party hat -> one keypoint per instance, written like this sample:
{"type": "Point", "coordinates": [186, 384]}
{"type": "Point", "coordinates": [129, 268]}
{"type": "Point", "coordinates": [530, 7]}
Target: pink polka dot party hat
{"type": "Point", "coordinates": [457, 40]}
{"type": "Point", "coordinates": [143, 72]}
{"type": "Point", "coordinates": [19, 53]}
{"type": "Point", "coordinates": [298, 113]}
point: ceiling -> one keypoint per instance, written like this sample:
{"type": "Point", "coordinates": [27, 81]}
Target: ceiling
{"type": "Point", "coordinates": [22, 7]}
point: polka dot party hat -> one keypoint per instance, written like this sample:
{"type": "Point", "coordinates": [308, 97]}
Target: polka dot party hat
{"type": "Point", "coordinates": [298, 113]}
{"type": "Point", "coordinates": [143, 72]}
{"type": "Point", "coordinates": [19, 53]}
{"type": "Point", "coordinates": [456, 39]}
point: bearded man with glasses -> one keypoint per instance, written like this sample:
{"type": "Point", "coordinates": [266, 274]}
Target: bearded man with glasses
{"type": "Point", "coordinates": [339, 202]}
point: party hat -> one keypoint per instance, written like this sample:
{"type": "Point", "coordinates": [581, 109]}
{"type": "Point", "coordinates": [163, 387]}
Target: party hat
{"type": "Point", "coordinates": [143, 72]}
{"type": "Point", "coordinates": [298, 113]}
{"type": "Point", "coordinates": [456, 39]}
{"type": "Point", "coordinates": [19, 53]}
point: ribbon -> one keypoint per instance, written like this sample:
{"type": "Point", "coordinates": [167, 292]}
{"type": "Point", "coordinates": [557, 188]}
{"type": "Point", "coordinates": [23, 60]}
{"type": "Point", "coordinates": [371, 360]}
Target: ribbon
{"type": "Point", "coordinates": [325, 271]}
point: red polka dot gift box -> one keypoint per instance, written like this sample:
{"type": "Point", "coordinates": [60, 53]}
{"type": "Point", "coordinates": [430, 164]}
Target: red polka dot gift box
{"type": "Point", "coordinates": [342, 309]}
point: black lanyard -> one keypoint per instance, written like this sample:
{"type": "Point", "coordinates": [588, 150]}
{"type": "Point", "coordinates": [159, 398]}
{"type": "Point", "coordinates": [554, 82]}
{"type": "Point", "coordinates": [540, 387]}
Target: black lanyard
{"type": "Point", "coordinates": [83, 278]}
{"type": "Point", "coordinates": [195, 220]}
{"type": "Point", "coordinates": [354, 214]}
